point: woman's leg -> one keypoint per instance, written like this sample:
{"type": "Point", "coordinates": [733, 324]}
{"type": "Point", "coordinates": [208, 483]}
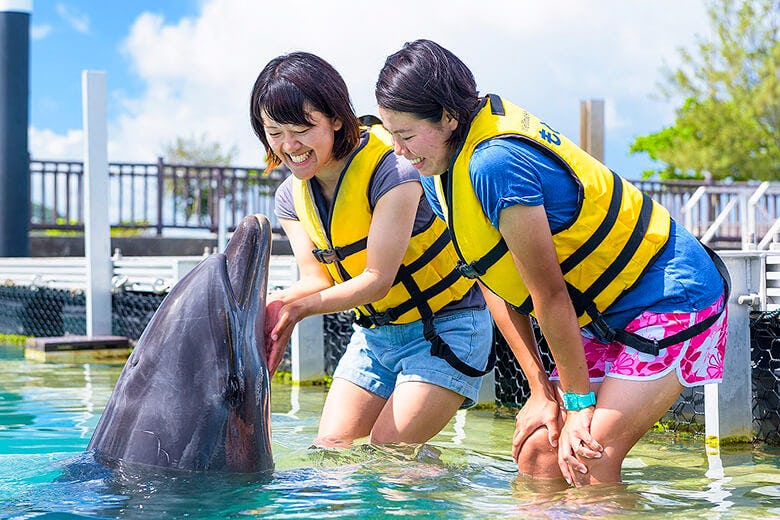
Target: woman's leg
{"type": "Point", "coordinates": [428, 390]}
{"type": "Point", "coordinates": [537, 458]}
{"type": "Point", "coordinates": [360, 389]}
{"type": "Point", "coordinates": [625, 411]}
{"type": "Point", "coordinates": [349, 413]}
{"type": "Point", "coordinates": [414, 413]}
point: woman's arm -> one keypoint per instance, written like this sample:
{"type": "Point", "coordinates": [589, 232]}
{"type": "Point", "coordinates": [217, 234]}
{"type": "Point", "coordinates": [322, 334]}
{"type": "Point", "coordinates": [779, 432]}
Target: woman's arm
{"type": "Point", "coordinates": [313, 277]}
{"type": "Point", "coordinates": [388, 239]}
{"type": "Point", "coordinates": [527, 233]}
{"type": "Point", "coordinates": [541, 409]}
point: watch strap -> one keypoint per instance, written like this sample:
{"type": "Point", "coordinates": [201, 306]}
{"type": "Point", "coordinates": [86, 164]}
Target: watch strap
{"type": "Point", "coordinates": [574, 402]}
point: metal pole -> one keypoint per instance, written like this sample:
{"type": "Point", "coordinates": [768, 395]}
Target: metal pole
{"type": "Point", "coordinates": [97, 231]}
{"type": "Point", "coordinates": [14, 122]}
{"type": "Point", "coordinates": [735, 396]}
{"type": "Point", "coordinates": [161, 194]}
{"type": "Point", "coordinates": [221, 224]}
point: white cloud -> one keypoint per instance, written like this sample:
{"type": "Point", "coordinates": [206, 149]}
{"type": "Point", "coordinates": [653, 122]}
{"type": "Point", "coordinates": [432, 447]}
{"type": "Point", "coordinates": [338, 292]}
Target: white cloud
{"type": "Point", "coordinates": [77, 20]}
{"type": "Point", "coordinates": [198, 71]}
{"type": "Point", "coordinates": [40, 31]}
{"type": "Point", "coordinates": [56, 146]}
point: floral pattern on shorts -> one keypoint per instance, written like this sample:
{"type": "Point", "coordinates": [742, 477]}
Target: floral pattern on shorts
{"type": "Point", "coordinates": [698, 361]}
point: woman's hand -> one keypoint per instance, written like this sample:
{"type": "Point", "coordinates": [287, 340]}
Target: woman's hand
{"type": "Point", "coordinates": [538, 411]}
{"type": "Point", "coordinates": [280, 320]}
{"type": "Point", "coordinates": [576, 443]}
{"type": "Point", "coordinates": [273, 353]}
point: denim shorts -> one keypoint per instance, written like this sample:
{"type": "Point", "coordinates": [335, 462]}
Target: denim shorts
{"type": "Point", "coordinates": [378, 359]}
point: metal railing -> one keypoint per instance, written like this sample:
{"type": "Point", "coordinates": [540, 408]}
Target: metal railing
{"type": "Point", "coordinates": [153, 196]}
{"type": "Point", "coordinates": [739, 215]}
{"type": "Point", "coordinates": [160, 196]}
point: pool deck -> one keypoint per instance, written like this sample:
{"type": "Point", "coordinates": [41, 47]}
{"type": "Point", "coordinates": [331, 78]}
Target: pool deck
{"type": "Point", "coordinates": [78, 349]}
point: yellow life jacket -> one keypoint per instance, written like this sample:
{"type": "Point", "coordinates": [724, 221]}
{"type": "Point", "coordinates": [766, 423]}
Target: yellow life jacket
{"type": "Point", "coordinates": [427, 279]}
{"type": "Point", "coordinates": [616, 233]}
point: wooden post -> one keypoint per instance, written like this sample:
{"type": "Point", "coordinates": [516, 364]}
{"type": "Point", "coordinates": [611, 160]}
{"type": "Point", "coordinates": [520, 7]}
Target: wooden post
{"type": "Point", "coordinates": [592, 127]}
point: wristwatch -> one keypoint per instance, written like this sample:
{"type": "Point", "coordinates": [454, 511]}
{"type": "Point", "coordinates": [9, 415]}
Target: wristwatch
{"type": "Point", "coordinates": [575, 402]}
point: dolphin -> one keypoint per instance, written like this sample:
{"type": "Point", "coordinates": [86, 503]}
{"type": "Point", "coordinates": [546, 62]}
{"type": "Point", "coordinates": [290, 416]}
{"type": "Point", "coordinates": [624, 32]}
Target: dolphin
{"type": "Point", "coordinates": [194, 393]}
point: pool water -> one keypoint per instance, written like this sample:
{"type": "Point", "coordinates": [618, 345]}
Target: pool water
{"type": "Point", "coordinates": [48, 412]}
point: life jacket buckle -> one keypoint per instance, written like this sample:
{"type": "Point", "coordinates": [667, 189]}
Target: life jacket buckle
{"type": "Point", "coordinates": [374, 320]}
{"type": "Point", "coordinates": [468, 270]}
{"type": "Point", "coordinates": [325, 256]}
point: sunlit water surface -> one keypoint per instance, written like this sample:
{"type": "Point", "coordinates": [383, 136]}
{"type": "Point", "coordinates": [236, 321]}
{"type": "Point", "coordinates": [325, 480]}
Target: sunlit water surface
{"type": "Point", "coordinates": [48, 412]}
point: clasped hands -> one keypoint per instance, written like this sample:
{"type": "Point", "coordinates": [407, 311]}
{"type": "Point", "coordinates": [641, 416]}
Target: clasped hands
{"type": "Point", "coordinates": [571, 436]}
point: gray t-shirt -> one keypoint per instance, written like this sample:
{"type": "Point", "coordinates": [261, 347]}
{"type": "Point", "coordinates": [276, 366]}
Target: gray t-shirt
{"type": "Point", "coordinates": [391, 172]}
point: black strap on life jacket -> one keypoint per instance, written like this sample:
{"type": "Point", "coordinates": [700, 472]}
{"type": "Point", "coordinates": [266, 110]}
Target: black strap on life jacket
{"type": "Point", "coordinates": [419, 299]}
{"type": "Point", "coordinates": [337, 254]}
{"type": "Point", "coordinates": [479, 267]}
{"type": "Point", "coordinates": [654, 346]}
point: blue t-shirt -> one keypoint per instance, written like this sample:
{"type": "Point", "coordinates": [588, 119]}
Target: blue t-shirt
{"type": "Point", "coordinates": [506, 172]}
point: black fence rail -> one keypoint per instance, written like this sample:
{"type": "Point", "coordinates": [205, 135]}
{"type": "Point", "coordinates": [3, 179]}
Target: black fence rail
{"type": "Point", "coordinates": [158, 197]}
{"type": "Point", "coordinates": [153, 197]}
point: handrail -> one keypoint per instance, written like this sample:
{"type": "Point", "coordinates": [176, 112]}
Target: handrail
{"type": "Point", "coordinates": [775, 229]}
{"type": "Point", "coordinates": [751, 214]}
{"type": "Point", "coordinates": [707, 236]}
{"type": "Point", "coordinates": [688, 206]}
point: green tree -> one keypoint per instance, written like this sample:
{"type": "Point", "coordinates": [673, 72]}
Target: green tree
{"type": "Point", "coordinates": [728, 126]}
{"type": "Point", "coordinates": [198, 151]}
{"type": "Point", "coordinates": [190, 177]}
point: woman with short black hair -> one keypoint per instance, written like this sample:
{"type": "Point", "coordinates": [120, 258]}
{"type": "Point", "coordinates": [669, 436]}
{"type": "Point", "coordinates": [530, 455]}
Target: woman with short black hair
{"type": "Point", "coordinates": [631, 305]}
{"type": "Point", "coordinates": [364, 237]}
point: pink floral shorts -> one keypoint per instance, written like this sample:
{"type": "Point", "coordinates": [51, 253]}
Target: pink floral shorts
{"type": "Point", "coordinates": [698, 361]}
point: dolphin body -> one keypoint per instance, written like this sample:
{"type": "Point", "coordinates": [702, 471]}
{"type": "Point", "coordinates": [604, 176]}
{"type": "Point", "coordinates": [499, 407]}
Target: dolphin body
{"type": "Point", "coordinates": [194, 393]}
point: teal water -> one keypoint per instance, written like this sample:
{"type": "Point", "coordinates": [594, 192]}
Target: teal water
{"type": "Point", "coordinates": [48, 412]}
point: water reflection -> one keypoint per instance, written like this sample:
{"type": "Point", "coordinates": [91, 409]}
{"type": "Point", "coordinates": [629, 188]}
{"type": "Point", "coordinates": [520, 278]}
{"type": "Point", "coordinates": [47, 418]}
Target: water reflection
{"type": "Point", "coordinates": [47, 414]}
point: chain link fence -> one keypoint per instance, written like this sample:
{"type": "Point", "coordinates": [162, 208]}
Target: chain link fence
{"type": "Point", "coordinates": [765, 361]}
{"type": "Point", "coordinates": [46, 312]}
{"type": "Point", "coordinates": [41, 312]}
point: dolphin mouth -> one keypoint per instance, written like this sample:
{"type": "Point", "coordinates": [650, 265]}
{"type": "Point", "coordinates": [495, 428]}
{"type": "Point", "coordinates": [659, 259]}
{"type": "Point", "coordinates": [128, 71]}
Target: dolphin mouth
{"type": "Point", "coordinates": [246, 284]}
{"type": "Point", "coordinates": [243, 254]}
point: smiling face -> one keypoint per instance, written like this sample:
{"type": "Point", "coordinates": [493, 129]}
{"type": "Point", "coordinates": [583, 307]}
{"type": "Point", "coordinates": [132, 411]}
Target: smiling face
{"type": "Point", "coordinates": [421, 141]}
{"type": "Point", "coordinates": [305, 149]}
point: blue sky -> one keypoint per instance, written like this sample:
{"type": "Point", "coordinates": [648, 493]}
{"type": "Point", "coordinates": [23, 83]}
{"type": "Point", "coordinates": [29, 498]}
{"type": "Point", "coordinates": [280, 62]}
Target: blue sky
{"type": "Point", "coordinates": [69, 36]}
{"type": "Point", "coordinates": [184, 68]}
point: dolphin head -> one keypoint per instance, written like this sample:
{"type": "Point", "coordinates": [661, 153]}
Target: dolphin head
{"type": "Point", "coordinates": [194, 393]}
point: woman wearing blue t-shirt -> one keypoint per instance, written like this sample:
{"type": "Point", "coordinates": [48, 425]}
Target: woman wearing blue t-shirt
{"type": "Point", "coordinates": [364, 237]}
{"type": "Point", "coordinates": [630, 304]}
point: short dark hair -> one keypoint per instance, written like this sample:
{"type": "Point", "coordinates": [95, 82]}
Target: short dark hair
{"type": "Point", "coordinates": [424, 79]}
{"type": "Point", "coordinates": [291, 81]}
